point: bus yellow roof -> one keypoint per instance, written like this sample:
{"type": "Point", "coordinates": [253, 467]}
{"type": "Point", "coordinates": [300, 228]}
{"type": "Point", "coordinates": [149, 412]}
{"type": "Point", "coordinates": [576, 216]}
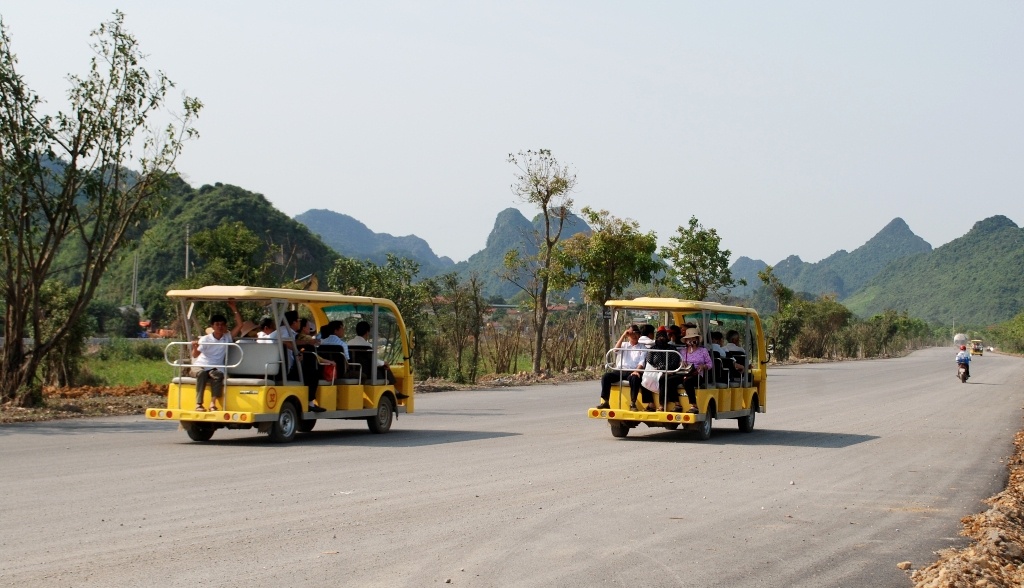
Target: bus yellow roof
{"type": "Point", "coordinates": [253, 293]}
{"type": "Point", "coordinates": [679, 305]}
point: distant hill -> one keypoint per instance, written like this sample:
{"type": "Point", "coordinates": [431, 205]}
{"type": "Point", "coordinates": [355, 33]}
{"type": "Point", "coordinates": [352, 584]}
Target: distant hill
{"type": "Point", "coordinates": [841, 273]}
{"type": "Point", "coordinates": [161, 242]}
{"type": "Point", "coordinates": [351, 238]}
{"type": "Point", "coordinates": [972, 280]}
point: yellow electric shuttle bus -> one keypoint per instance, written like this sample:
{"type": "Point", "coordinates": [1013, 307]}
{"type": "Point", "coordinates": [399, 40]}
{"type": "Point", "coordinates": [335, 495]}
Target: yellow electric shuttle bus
{"type": "Point", "coordinates": [263, 390]}
{"type": "Point", "coordinates": [735, 388]}
{"type": "Point", "coordinates": [977, 347]}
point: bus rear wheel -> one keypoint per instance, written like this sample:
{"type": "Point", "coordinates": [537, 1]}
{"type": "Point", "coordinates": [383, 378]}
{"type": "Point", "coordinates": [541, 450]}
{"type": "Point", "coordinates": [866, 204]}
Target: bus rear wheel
{"type": "Point", "coordinates": [381, 422]}
{"type": "Point", "coordinates": [199, 431]}
{"type": "Point", "coordinates": [619, 429]}
{"type": "Point", "coordinates": [704, 430]}
{"type": "Point", "coordinates": [286, 425]}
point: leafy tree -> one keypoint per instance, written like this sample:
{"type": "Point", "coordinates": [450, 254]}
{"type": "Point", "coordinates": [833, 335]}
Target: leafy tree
{"type": "Point", "coordinates": [64, 179]}
{"type": "Point", "coordinates": [547, 184]}
{"type": "Point", "coordinates": [697, 266]}
{"type": "Point", "coordinates": [62, 366]}
{"type": "Point", "coordinates": [232, 255]}
{"type": "Point", "coordinates": [778, 290]}
{"type": "Point", "coordinates": [395, 281]}
{"type": "Point", "coordinates": [822, 320]}
{"type": "Point", "coordinates": [607, 260]}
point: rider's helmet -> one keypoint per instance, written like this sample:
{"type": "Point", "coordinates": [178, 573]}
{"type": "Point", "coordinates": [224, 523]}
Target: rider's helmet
{"type": "Point", "coordinates": [963, 348]}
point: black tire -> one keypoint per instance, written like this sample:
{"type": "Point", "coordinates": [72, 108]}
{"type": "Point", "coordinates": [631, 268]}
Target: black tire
{"type": "Point", "coordinates": [746, 423]}
{"type": "Point", "coordinates": [619, 429]}
{"type": "Point", "coordinates": [381, 423]}
{"type": "Point", "coordinates": [306, 425]}
{"type": "Point", "coordinates": [284, 429]}
{"type": "Point", "coordinates": [704, 430]}
{"type": "Point", "coordinates": [199, 431]}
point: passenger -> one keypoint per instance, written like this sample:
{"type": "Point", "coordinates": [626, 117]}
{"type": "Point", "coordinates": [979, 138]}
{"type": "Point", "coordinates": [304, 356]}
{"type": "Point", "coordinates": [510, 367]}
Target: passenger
{"type": "Point", "coordinates": [333, 333]}
{"type": "Point", "coordinates": [664, 358]}
{"type": "Point", "coordinates": [306, 334]}
{"type": "Point", "coordinates": [718, 355]}
{"type": "Point", "coordinates": [732, 345]}
{"type": "Point", "coordinates": [306, 344]}
{"type": "Point", "coordinates": [716, 343]}
{"type": "Point", "coordinates": [383, 369]}
{"type": "Point", "coordinates": [267, 332]}
{"type": "Point", "coordinates": [629, 361]}
{"type": "Point", "coordinates": [733, 341]}
{"type": "Point", "coordinates": [675, 336]}
{"type": "Point", "coordinates": [209, 356]}
{"type": "Point", "coordinates": [698, 357]}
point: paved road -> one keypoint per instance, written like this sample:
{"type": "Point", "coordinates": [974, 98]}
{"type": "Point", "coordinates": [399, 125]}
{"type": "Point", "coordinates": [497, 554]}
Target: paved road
{"type": "Point", "coordinates": [856, 466]}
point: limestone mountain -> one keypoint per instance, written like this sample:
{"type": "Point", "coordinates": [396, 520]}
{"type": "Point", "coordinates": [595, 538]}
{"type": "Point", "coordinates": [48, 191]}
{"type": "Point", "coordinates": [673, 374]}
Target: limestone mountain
{"type": "Point", "coordinates": [351, 238]}
{"type": "Point", "coordinates": [841, 273]}
{"type": "Point", "coordinates": [972, 280]}
{"type": "Point", "coordinates": [511, 231]}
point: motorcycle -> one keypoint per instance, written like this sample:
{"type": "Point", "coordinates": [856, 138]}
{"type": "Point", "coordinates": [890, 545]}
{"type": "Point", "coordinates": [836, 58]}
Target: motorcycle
{"type": "Point", "coordinates": [961, 372]}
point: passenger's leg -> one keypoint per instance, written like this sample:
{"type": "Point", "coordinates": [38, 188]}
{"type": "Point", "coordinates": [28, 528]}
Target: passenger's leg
{"type": "Point", "coordinates": [634, 390]}
{"type": "Point", "coordinates": [690, 385]}
{"type": "Point", "coordinates": [216, 387]}
{"type": "Point", "coordinates": [606, 386]}
{"type": "Point", "coordinates": [201, 376]}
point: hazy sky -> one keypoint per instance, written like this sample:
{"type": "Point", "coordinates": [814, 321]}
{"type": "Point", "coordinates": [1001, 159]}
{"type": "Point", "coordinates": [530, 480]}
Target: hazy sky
{"type": "Point", "coordinates": [790, 127]}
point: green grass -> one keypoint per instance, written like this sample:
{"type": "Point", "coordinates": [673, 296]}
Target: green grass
{"type": "Point", "coordinates": [125, 372]}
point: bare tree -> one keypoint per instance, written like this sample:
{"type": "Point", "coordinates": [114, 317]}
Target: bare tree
{"type": "Point", "coordinates": [66, 184]}
{"type": "Point", "coordinates": [545, 183]}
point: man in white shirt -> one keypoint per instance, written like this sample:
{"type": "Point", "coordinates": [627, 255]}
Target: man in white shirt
{"type": "Point", "coordinates": [267, 332]}
{"type": "Point", "coordinates": [209, 356]}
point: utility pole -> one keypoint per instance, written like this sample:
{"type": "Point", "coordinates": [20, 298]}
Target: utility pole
{"type": "Point", "coordinates": [187, 227]}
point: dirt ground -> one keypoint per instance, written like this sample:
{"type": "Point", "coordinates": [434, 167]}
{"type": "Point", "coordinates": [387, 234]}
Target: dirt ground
{"type": "Point", "coordinates": [995, 558]}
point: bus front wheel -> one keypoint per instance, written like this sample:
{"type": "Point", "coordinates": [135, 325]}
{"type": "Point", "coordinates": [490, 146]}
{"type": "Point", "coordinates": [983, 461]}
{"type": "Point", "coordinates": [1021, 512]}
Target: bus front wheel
{"type": "Point", "coordinates": [381, 422]}
{"type": "Point", "coordinates": [746, 423]}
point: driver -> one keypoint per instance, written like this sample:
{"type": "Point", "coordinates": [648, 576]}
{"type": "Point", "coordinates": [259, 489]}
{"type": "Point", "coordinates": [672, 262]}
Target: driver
{"type": "Point", "coordinates": [964, 357]}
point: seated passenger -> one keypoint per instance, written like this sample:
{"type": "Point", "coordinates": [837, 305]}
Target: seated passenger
{"type": "Point", "coordinates": [333, 333]}
{"type": "Point", "coordinates": [267, 332]}
{"type": "Point", "coordinates": [698, 357]}
{"type": "Point", "coordinates": [209, 356]}
{"type": "Point", "coordinates": [629, 361]}
{"type": "Point", "coordinates": [383, 369]}
{"type": "Point", "coordinates": [732, 348]}
{"type": "Point", "coordinates": [662, 358]}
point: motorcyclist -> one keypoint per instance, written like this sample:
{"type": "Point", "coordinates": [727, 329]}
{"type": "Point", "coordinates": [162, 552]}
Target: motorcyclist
{"type": "Point", "coordinates": [964, 358]}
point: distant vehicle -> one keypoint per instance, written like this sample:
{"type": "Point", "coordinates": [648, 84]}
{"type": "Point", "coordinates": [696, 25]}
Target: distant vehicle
{"type": "Point", "coordinates": [736, 389]}
{"type": "Point", "coordinates": [259, 391]}
{"type": "Point", "coordinates": [977, 347]}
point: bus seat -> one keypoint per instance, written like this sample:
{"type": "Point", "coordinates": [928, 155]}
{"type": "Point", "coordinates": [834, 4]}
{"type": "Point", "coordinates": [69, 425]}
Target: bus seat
{"type": "Point", "coordinates": [362, 356]}
{"type": "Point", "coordinates": [344, 372]}
{"type": "Point", "coordinates": [258, 364]}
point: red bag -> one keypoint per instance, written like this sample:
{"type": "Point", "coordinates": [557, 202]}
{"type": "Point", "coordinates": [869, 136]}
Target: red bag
{"type": "Point", "coordinates": [329, 372]}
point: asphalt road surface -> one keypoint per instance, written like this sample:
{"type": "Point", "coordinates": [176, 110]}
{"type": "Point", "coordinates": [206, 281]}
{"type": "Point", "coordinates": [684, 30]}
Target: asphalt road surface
{"type": "Point", "coordinates": [855, 467]}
